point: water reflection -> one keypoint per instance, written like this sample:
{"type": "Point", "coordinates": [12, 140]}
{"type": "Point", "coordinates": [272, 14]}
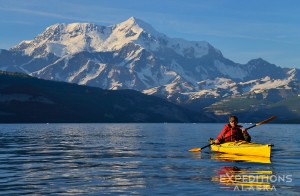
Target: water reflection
{"type": "Point", "coordinates": [224, 157]}
{"type": "Point", "coordinates": [135, 159]}
{"type": "Point", "coordinates": [240, 158]}
{"type": "Point", "coordinates": [235, 178]}
{"type": "Point", "coordinates": [34, 160]}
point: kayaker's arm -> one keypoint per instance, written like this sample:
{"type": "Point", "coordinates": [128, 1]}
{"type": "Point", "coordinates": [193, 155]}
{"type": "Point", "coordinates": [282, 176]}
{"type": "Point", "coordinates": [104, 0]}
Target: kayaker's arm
{"type": "Point", "coordinates": [221, 135]}
{"type": "Point", "coordinates": [246, 135]}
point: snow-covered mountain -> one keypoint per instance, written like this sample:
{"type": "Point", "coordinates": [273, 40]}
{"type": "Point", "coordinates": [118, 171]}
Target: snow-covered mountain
{"type": "Point", "coordinates": [133, 55]}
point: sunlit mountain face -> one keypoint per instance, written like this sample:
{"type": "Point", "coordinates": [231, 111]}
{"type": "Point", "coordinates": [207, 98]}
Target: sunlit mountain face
{"type": "Point", "coordinates": [133, 55]}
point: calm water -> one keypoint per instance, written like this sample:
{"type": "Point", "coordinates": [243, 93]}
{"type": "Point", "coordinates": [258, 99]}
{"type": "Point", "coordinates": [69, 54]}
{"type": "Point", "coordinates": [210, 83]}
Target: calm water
{"type": "Point", "coordinates": [140, 159]}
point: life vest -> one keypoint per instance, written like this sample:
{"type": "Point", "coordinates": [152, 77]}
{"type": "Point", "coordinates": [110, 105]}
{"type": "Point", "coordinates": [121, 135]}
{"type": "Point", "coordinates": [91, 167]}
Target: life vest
{"type": "Point", "coordinates": [231, 134]}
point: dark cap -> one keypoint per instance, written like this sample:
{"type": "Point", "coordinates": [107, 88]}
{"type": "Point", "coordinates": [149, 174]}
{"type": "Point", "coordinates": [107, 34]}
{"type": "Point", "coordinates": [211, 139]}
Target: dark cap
{"type": "Point", "coordinates": [233, 118]}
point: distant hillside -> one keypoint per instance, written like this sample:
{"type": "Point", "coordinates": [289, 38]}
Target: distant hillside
{"type": "Point", "coordinates": [25, 99]}
{"type": "Point", "coordinates": [254, 107]}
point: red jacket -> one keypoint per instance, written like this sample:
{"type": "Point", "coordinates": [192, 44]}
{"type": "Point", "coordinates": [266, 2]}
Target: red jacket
{"type": "Point", "coordinates": [233, 134]}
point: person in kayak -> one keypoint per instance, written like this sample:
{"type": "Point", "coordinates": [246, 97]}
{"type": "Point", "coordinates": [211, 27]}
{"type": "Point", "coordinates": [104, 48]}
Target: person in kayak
{"type": "Point", "coordinates": [233, 132]}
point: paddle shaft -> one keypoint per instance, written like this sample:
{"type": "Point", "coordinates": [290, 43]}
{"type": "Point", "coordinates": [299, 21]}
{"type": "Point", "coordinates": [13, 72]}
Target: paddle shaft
{"type": "Point", "coordinates": [257, 124]}
{"type": "Point", "coordinates": [262, 122]}
{"type": "Point", "coordinates": [214, 143]}
{"type": "Point", "coordinates": [199, 149]}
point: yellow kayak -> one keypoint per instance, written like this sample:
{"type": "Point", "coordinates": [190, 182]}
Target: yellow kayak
{"type": "Point", "coordinates": [243, 148]}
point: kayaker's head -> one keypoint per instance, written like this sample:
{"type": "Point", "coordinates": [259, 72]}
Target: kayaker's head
{"type": "Point", "coordinates": [233, 121]}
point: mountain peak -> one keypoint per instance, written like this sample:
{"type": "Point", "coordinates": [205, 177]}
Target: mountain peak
{"type": "Point", "coordinates": [136, 25]}
{"type": "Point", "coordinates": [68, 39]}
{"type": "Point", "coordinates": [258, 61]}
{"type": "Point", "coordinates": [133, 19]}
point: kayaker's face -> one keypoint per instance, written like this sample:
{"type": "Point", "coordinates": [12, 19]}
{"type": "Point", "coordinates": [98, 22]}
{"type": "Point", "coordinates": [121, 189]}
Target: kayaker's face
{"type": "Point", "coordinates": [233, 123]}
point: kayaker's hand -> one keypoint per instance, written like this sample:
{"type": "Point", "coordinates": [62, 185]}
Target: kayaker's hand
{"type": "Point", "coordinates": [217, 142]}
{"type": "Point", "coordinates": [244, 130]}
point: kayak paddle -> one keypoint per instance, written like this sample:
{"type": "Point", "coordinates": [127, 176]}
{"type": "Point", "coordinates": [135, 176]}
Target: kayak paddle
{"type": "Point", "coordinates": [257, 124]}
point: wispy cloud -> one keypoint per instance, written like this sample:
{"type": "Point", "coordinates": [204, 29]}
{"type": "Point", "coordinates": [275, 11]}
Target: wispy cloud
{"type": "Point", "coordinates": [22, 22]}
{"type": "Point", "coordinates": [237, 29]}
{"type": "Point", "coordinates": [39, 13]}
{"type": "Point", "coordinates": [51, 15]}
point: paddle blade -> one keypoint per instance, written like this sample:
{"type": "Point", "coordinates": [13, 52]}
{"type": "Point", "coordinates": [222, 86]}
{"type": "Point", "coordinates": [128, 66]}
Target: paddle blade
{"type": "Point", "coordinates": [195, 150]}
{"type": "Point", "coordinates": [265, 121]}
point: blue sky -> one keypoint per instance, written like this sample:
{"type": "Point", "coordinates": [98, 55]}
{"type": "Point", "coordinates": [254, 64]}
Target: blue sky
{"type": "Point", "coordinates": [242, 30]}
